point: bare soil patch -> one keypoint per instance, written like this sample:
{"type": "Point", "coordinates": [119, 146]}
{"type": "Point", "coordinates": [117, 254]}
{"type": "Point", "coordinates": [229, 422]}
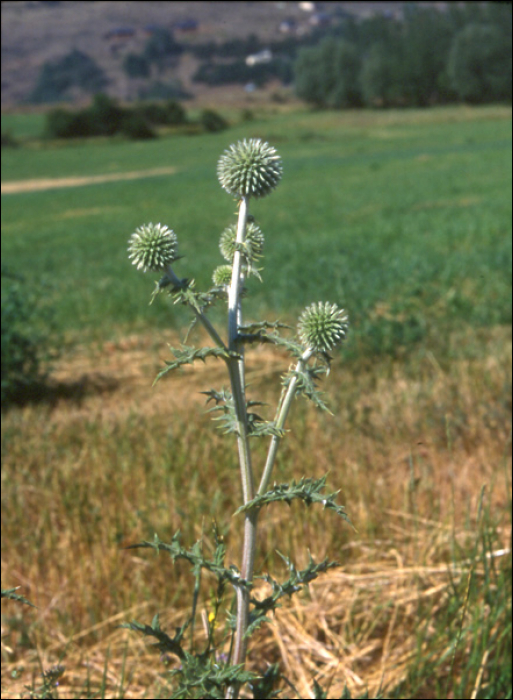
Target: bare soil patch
{"type": "Point", "coordinates": [17, 186]}
{"type": "Point", "coordinates": [117, 379]}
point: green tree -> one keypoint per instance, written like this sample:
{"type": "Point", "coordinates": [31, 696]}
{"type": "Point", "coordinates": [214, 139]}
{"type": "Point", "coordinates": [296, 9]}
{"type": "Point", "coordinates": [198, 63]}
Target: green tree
{"type": "Point", "coordinates": [161, 47]}
{"type": "Point", "coordinates": [136, 66]}
{"type": "Point", "coordinates": [76, 69]}
{"type": "Point", "coordinates": [479, 63]}
{"type": "Point", "coordinates": [378, 77]}
{"type": "Point", "coordinates": [425, 46]}
{"type": "Point", "coordinates": [327, 75]}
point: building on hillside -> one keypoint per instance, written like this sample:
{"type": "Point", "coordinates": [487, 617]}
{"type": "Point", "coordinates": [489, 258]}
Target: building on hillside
{"type": "Point", "coordinates": [263, 56]}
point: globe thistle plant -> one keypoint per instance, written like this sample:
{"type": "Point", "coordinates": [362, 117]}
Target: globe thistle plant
{"type": "Point", "coordinates": [248, 169]}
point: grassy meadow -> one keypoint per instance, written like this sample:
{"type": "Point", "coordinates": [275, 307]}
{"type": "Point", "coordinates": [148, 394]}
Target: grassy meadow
{"type": "Point", "coordinates": [401, 217]}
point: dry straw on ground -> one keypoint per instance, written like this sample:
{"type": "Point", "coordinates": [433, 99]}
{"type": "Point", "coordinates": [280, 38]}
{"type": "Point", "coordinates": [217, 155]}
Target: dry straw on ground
{"type": "Point", "coordinates": [410, 448]}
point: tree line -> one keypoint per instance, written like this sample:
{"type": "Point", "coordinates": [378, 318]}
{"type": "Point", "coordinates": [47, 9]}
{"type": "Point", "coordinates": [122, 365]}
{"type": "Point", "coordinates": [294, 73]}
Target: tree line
{"type": "Point", "coordinates": [430, 57]}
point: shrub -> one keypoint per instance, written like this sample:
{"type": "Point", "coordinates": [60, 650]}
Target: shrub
{"type": "Point", "coordinates": [169, 113]}
{"type": "Point", "coordinates": [25, 349]}
{"type": "Point", "coordinates": [134, 126]}
{"type": "Point", "coordinates": [212, 121]}
{"type": "Point", "coordinates": [103, 118]}
{"type": "Point", "coordinates": [8, 140]}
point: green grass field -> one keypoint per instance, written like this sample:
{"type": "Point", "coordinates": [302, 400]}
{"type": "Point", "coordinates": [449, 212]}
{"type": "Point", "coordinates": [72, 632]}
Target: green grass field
{"type": "Point", "coordinates": [403, 218]}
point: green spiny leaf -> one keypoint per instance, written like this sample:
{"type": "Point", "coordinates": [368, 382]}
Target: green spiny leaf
{"type": "Point", "coordinates": [164, 642]}
{"type": "Point", "coordinates": [11, 595]}
{"type": "Point", "coordinates": [187, 355]}
{"type": "Point", "coordinates": [307, 490]}
{"type": "Point", "coordinates": [196, 558]}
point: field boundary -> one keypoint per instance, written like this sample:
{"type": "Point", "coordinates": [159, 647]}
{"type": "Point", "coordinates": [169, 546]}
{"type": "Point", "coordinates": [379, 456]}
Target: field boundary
{"type": "Point", "coordinates": [39, 185]}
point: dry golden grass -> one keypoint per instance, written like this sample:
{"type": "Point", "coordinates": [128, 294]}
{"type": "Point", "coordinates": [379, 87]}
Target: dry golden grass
{"type": "Point", "coordinates": [109, 460]}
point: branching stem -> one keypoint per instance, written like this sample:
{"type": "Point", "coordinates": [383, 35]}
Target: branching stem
{"type": "Point", "coordinates": [281, 416]}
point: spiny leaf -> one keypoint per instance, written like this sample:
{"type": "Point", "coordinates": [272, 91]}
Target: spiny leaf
{"type": "Point", "coordinates": [296, 581]}
{"type": "Point", "coordinates": [186, 355]}
{"type": "Point", "coordinates": [164, 643]}
{"type": "Point", "coordinates": [195, 557]}
{"type": "Point", "coordinates": [306, 379]}
{"type": "Point", "coordinates": [256, 332]}
{"type": "Point", "coordinates": [263, 687]}
{"type": "Point", "coordinates": [11, 595]}
{"type": "Point", "coordinates": [203, 676]}
{"type": "Point", "coordinates": [307, 490]}
{"type": "Point", "coordinates": [256, 427]}
{"type": "Point", "coordinates": [262, 325]}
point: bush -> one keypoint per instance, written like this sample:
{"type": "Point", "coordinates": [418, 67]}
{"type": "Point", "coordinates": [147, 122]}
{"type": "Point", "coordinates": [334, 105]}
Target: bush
{"type": "Point", "coordinates": [134, 126]}
{"type": "Point", "coordinates": [63, 124]}
{"type": "Point", "coordinates": [169, 113]}
{"type": "Point", "coordinates": [212, 121]}
{"type": "Point", "coordinates": [103, 118]}
{"type": "Point", "coordinates": [24, 344]}
{"type": "Point", "coordinates": [8, 140]}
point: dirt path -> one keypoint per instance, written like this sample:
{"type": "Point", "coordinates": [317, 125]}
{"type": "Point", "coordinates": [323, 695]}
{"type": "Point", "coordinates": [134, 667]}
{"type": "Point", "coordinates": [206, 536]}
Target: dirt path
{"type": "Point", "coordinates": [17, 186]}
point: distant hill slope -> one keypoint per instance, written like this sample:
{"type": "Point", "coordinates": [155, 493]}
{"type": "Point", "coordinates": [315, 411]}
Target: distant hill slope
{"type": "Point", "coordinates": [36, 32]}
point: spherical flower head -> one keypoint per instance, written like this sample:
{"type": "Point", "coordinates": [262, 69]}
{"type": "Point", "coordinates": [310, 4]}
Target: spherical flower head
{"type": "Point", "coordinates": [321, 326]}
{"type": "Point", "coordinates": [153, 247]}
{"type": "Point", "coordinates": [222, 276]}
{"type": "Point", "coordinates": [249, 168]}
{"type": "Point", "coordinates": [253, 243]}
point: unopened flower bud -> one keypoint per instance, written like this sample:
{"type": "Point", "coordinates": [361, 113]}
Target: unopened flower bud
{"type": "Point", "coordinates": [321, 326]}
{"type": "Point", "coordinates": [253, 242]}
{"type": "Point", "coordinates": [222, 276]}
{"type": "Point", "coordinates": [153, 247]}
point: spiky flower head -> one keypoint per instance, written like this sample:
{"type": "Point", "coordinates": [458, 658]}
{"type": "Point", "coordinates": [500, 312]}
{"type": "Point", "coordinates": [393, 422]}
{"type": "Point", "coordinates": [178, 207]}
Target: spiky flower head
{"type": "Point", "coordinates": [222, 276]}
{"type": "Point", "coordinates": [249, 168]}
{"type": "Point", "coordinates": [253, 243]}
{"type": "Point", "coordinates": [153, 247]}
{"type": "Point", "coordinates": [321, 326]}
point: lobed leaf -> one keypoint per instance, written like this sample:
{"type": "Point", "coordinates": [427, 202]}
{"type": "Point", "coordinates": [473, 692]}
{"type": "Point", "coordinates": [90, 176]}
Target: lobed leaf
{"type": "Point", "coordinates": [307, 489]}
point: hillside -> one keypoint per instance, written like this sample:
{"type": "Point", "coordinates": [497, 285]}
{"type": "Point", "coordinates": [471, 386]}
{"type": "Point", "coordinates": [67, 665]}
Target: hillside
{"type": "Point", "coordinates": [34, 33]}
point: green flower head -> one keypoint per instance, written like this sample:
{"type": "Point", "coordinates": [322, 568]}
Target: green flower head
{"type": "Point", "coordinates": [321, 326]}
{"type": "Point", "coordinates": [249, 168]}
{"type": "Point", "coordinates": [222, 276]}
{"type": "Point", "coordinates": [253, 243]}
{"type": "Point", "coordinates": [153, 247]}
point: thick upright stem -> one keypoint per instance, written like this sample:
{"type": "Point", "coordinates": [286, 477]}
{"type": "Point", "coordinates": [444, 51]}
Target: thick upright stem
{"type": "Point", "coordinates": [236, 371]}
